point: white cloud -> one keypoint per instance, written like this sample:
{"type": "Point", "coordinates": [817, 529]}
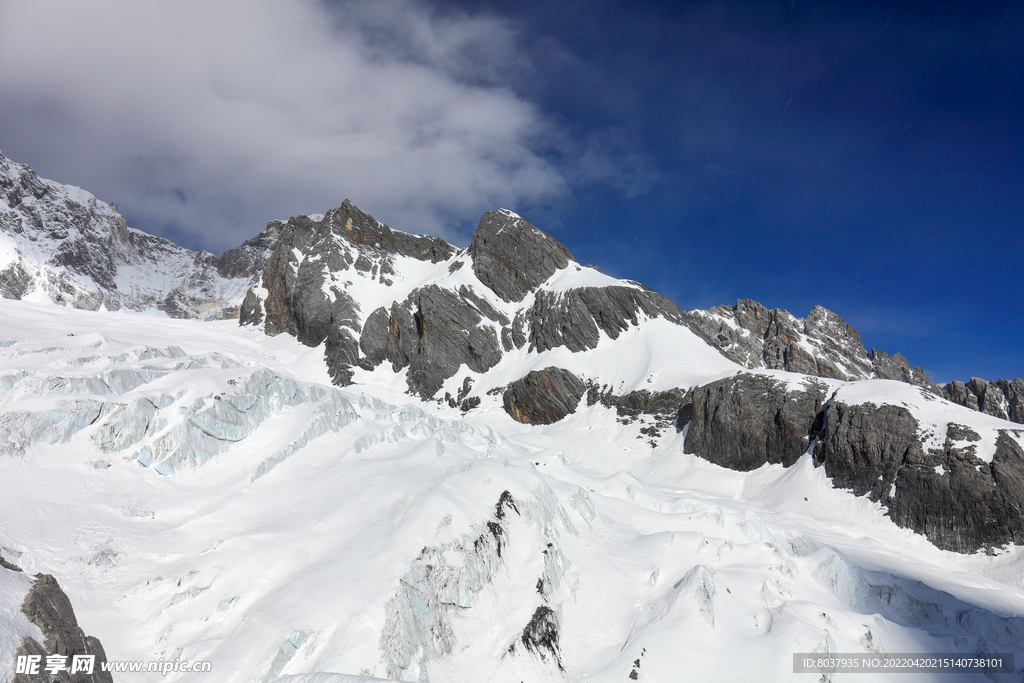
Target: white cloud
{"type": "Point", "coordinates": [219, 116]}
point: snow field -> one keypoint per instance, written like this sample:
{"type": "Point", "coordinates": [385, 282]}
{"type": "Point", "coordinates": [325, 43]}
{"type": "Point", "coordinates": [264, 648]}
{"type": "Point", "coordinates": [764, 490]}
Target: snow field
{"type": "Point", "coordinates": [371, 547]}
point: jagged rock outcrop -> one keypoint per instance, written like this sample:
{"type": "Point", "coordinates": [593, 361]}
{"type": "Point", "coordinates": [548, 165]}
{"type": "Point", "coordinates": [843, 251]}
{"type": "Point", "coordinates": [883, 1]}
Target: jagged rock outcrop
{"type": "Point", "coordinates": [48, 607]}
{"type": "Point", "coordinates": [60, 243]}
{"type": "Point", "coordinates": [434, 329]}
{"type": "Point", "coordinates": [951, 495]}
{"type": "Point", "coordinates": [247, 259]}
{"type": "Point", "coordinates": [433, 333]}
{"type": "Point", "coordinates": [745, 421]}
{"type": "Point", "coordinates": [665, 406]}
{"type": "Point", "coordinates": [544, 396]}
{"type": "Point", "coordinates": [1001, 398]}
{"type": "Point", "coordinates": [513, 257]}
{"type": "Point", "coordinates": [956, 499]}
{"type": "Point", "coordinates": [304, 292]}
{"type": "Point", "coordinates": [575, 318]}
{"type": "Point", "coordinates": [822, 344]}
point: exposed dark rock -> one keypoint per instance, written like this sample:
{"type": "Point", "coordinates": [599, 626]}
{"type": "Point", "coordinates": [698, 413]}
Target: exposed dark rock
{"type": "Point", "coordinates": [897, 368]}
{"type": "Point", "coordinates": [822, 344]}
{"type": "Point", "coordinates": [7, 565]}
{"type": "Point", "coordinates": [518, 333]}
{"type": "Point", "coordinates": [1001, 398]}
{"type": "Point", "coordinates": [864, 447]}
{"type": "Point", "coordinates": [28, 647]}
{"type": "Point", "coordinates": [745, 421]}
{"type": "Point", "coordinates": [251, 312]}
{"type": "Point", "coordinates": [951, 496]}
{"type": "Point", "coordinates": [541, 634]}
{"type": "Point", "coordinates": [482, 306]}
{"type": "Point", "coordinates": [434, 332]}
{"type": "Point", "coordinates": [512, 257]}
{"type": "Point", "coordinates": [49, 608]}
{"type": "Point", "coordinates": [14, 281]}
{"type": "Point", "coordinates": [304, 299]}
{"type": "Point", "coordinates": [543, 396]}
{"type": "Point", "coordinates": [956, 500]}
{"type": "Point", "coordinates": [574, 318]}
{"type": "Point", "coordinates": [247, 259]}
{"type": "Point", "coordinates": [662, 405]}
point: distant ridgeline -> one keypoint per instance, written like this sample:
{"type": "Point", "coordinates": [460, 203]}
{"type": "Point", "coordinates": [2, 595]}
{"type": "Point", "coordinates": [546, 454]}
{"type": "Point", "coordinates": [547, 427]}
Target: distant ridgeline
{"type": "Point", "coordinates": [514, 321]}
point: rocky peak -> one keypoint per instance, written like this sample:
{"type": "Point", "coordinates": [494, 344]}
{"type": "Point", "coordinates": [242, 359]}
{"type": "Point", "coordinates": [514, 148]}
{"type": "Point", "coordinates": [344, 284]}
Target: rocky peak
{"type": "Point", "coordinates": [822, 344]}
{"type": "Point", "coordinates": [59, 243]}
{"type": "Point", "coordinates": [363, 230]}
{"type": "Point", "coordinates": [369, 293]}
{"type": "Point", "coordinates": [513, 257]}
{"type": "Point", "coordinates": [247, 259]}
{"type": "Point", "coordinates": [1000, 398]}
{"type": "Point", "coordinates": [18, 181]}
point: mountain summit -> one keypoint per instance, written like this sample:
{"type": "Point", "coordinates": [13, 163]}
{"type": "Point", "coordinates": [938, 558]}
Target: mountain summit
{"type": "Point", "coordinates": [59, 243]}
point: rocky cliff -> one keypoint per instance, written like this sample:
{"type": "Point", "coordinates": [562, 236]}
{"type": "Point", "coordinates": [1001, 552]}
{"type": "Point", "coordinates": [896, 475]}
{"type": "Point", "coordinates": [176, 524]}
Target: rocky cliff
{"type": "Point", "coordinates": [961, 486]}
{"type": "Point", "coordinates": [51, 629]}
{"type": "Point", "coordinates": [373, 295]}
{"type": "Point", "coordinates": [59, 243]}
{"type": "Point", "coordinates": [824, 345]}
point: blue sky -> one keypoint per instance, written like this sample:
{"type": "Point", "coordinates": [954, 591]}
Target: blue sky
{"type": "Point", "coordinates": [867, 157]}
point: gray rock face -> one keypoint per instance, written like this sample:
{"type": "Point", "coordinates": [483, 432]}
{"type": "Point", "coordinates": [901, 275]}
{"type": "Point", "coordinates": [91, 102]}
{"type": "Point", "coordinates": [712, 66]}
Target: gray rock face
{"type": "Point", "coordinates": [955, 499]}
{"type": "Point", "coordinates": [897, 368]}
{"type": "Point", "coordinates": [822, 344]}
{"type": "Point", "coordinates": [745, 421]}
{"type": "Point", "coordinates": [512, 257]}
{"type": "Point", "coordinates": [80, 253]}
{"type": "Point", "coordinates": [433, 333]}
{"type": "Point", "coordinates": [544, 396]}
{"type": "Point", "coordinates": [958, 501]}
{"type": "Point", "coordinates": [663, 405]}
{"type": "Point", "coordinates": [1002, 398]}
{"type": "Point", "coordinates": [247, 259]}
{"type": "Point", "coordinates": [14, 281]}
{"type": "Point", "coordinates": [865, 446]}
{"type": "Point", "coordinates": [49, 608]}
{"type": "Point", "coordinates": [434, 330]}
{"type": "Point", "coordinates": [575, 318]}
{"type": "Point", "coordinates": [302, 279]}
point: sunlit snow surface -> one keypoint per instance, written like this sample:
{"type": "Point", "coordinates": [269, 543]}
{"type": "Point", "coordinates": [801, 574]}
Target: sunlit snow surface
{"type": "Point", "coordinates": [202, 492]}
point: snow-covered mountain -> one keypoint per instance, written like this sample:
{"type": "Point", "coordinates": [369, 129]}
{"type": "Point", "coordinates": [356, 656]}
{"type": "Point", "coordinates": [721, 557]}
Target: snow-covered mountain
{"type": "Point", "coordinates": [59, 243]}
{"type": "Point", "coordinates": [420, 462]}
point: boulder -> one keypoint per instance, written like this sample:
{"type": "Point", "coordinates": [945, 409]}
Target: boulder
{"type": "Point", "coordinates": [544, 396]}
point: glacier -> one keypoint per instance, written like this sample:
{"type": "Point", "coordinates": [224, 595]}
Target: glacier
{"type": "Point", "coordinates": [205, 492]}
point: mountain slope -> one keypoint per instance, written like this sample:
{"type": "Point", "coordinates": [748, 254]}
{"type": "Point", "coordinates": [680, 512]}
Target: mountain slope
{"type": "Point", "coordinates": [302, 527]}
{"type": "Point", "coordinates": [513, 320]}
{"type": "Point", "coordinates": [59, 243]}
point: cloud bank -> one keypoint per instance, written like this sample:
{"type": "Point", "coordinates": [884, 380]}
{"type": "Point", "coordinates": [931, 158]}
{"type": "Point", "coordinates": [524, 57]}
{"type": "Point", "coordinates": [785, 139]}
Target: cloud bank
{"type": "Point", "coordinates": [205, 120]}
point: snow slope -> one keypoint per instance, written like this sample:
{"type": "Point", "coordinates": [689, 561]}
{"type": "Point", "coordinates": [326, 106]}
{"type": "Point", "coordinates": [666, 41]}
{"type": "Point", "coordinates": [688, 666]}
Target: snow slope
{"type": "Point", "coordinates": [203, 492]}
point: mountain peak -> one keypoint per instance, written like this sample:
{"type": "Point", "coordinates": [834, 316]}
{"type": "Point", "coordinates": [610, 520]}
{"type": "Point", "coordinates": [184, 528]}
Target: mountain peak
{"type": "Point", "coordinates": [60, 244]}
{"type": "Point", "coordinates": [512, 256]}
